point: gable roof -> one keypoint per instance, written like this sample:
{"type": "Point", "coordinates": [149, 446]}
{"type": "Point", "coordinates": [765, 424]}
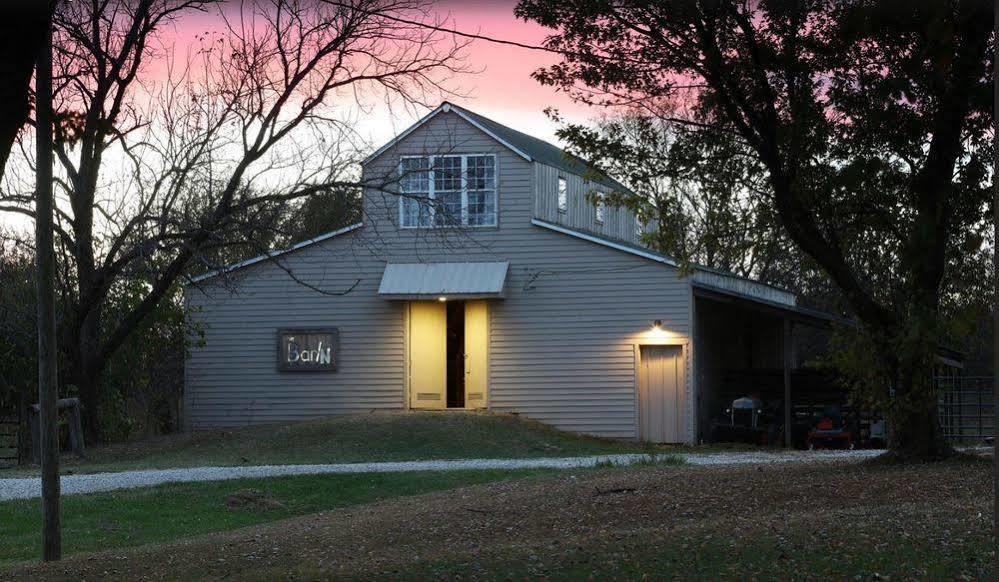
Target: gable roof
{"type": "Point", "coordinates": [275, 253]}
{"type": "Point", "coordinates": [526, 146]}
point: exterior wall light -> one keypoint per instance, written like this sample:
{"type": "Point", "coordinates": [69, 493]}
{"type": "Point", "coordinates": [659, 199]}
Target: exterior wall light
{"type": "Point", "coordinates": [657, 325]}
{"type": "Point", "coordinates": [442, 299]}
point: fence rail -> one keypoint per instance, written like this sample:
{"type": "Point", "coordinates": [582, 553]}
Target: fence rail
{"type": "Point", "coordinates": [967, 407]}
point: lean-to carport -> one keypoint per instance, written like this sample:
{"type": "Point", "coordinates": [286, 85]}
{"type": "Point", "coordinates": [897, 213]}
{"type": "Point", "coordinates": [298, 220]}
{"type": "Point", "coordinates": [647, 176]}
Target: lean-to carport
{"type": "Point", "coordinates": [757, 344]}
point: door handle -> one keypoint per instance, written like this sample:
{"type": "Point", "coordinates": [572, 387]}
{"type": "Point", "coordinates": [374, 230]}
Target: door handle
{"type": "Point", "coordinates": [468, 364]}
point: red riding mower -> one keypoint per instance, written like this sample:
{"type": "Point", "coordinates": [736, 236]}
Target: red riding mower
{"type": "Point", "coordinates": [831, 431]}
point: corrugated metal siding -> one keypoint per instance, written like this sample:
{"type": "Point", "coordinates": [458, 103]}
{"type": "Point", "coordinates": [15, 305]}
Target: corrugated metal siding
{"type": "Point", "coordinates": [580, 214]}
{"type": "Point", "coordinates": [561, 343]}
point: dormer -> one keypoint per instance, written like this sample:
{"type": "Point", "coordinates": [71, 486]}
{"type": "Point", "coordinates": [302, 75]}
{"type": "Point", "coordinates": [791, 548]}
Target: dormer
{"type": "Point", "coordinates": [449, 172]}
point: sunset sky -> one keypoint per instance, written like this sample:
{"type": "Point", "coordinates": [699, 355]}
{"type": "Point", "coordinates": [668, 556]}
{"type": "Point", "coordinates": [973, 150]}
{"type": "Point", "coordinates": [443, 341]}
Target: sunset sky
{"type": "Point", "coordinates": [502, 87]}
{"type": "Point", "coordinates": [504, 90]}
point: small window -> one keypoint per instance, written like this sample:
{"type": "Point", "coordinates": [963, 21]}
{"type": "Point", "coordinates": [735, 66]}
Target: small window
{"type": "Point", "coordinates": [601, 208]}
{"type": "Point", "coordinates": [563, 194]}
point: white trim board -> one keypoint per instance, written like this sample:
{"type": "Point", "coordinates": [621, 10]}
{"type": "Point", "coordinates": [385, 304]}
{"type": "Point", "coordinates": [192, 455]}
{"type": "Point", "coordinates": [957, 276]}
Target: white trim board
{"type": "Point", "coordinates": [445, 108]}
{"type": "Point", "coordinates": [276, 253]}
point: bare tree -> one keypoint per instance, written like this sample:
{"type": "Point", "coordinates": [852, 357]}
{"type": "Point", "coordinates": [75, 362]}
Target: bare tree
{"type": "Point", "coordinates": [158, 174]}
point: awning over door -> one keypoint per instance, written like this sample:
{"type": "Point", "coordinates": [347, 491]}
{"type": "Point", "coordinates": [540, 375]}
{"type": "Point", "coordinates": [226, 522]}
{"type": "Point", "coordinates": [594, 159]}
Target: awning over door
{"type": "Point", "coordinates": [451, 280]}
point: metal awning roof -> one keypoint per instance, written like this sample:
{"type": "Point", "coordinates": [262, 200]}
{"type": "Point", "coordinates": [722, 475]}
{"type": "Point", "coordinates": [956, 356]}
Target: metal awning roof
{"type": "Point", "coordinates": [452, 280]}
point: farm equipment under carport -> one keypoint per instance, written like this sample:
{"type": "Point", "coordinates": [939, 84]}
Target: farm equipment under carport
{"type": "Point", "coordinates": [832, 431]}
{"type": "Point", "coordinates": [747, 420]}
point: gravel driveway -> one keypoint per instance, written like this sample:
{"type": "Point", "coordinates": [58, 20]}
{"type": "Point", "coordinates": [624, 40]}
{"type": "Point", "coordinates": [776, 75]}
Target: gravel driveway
{"type": "Point", "coordinates": [26, 488]}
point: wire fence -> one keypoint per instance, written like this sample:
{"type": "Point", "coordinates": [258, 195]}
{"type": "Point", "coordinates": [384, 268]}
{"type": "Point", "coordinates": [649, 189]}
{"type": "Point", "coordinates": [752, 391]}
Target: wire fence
{"type": "Point", "coordinates": [967, 407]}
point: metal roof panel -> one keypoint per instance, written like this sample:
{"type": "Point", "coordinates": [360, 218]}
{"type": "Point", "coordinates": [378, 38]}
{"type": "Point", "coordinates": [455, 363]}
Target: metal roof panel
{"type": "Point", "coordinates": [415, 280]}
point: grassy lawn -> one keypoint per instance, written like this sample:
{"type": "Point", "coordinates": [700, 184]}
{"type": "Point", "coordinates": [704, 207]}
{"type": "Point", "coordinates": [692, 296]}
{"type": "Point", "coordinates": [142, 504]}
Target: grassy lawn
{"type": "Point", "coordinates": [865, 521]}
{"type": "Point", "coordinates": [345, 439]}
{"type": "Point", "coordinates": [120, 519]}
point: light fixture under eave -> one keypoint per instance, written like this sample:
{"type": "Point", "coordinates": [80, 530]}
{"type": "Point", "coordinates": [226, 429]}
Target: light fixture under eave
{"type": "Point", "coordinates": [442, 299]}
{"type": "Point", "coordinates": [657, 325]}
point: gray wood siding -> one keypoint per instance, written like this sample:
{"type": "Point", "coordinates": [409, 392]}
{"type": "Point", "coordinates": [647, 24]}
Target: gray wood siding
{"type": "Point", "coordinates": [562, 342]}
{"type": "Point", "coordinates": [580, 214]}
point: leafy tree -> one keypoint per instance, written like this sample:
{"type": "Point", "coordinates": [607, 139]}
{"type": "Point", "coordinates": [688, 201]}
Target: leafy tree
{"type": "Point", "coordinates": [697, 190]}
{"type": "Point", "coordinates": [871, 123]}
{"type": "Point", "coordinates": [18, 333]}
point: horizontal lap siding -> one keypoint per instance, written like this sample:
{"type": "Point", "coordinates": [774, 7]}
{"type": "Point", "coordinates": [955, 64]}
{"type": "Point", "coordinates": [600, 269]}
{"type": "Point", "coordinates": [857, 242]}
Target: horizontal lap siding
{"type": "Point", "coordinates": [561, 342]}
{"type": "Point", "coordinates": [233, 379]}
{"type": "Point", "coordinates": [562, 349]}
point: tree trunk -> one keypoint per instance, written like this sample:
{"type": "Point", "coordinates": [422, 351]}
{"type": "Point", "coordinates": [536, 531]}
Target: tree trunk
{"type": "Point", "coordinates": [914, 430]}
{"type": "Point", "coordinates": [86, 375]}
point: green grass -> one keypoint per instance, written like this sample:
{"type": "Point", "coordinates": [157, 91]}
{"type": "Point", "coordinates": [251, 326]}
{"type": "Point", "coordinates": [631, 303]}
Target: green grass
{"type": "Point", "coordinates": [346, 439]}
{"type": "Point", "coordinates": [118, 519]}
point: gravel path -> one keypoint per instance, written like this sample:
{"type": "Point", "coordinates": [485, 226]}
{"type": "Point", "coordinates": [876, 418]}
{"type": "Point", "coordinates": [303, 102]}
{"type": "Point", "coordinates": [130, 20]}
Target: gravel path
{"type": "Point", "coordinates": [26, 488]}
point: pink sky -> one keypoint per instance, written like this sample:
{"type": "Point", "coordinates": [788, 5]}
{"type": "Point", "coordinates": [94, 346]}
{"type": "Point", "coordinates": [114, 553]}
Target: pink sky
{"type": "Point", "coordinates": [502, 87]}
{"type": "Point", "coordinates": [504, 90]}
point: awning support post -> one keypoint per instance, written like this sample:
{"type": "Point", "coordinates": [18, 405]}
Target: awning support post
{"type": "Point", "coordinates": [788, 429]}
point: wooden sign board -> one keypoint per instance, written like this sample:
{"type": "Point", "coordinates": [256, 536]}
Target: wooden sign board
{"type": "Point", "coordinates": [308, 350]}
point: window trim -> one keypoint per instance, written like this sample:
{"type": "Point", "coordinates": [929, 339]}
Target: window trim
{"type": "Point", "coordinates": [562, 195]}
{"type": "Point", "coordinates": [600, 208]}
{"type": "Point", "coordinates": [464, 191]}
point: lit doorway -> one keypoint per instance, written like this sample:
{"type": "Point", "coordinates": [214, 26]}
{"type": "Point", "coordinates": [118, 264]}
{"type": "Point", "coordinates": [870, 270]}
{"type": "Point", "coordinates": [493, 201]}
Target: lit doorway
{"type": "Point", "coordinates": [448, 354]}
{"type": "Point", "coordinates": [455, 374]}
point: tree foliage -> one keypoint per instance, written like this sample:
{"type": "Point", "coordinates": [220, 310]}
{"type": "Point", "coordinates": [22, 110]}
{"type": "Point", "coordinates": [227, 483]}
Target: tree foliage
{"type": "Point", "coordinates": [869, 120]}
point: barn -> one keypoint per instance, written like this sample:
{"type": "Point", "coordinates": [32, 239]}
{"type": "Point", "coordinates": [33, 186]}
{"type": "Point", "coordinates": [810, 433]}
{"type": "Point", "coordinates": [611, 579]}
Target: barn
{"type": "Point", "coordinates": [486, 274]}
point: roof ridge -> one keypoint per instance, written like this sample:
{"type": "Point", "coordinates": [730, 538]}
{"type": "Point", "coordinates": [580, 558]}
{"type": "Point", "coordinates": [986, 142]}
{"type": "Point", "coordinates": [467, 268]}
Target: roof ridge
{"type": "Point", "coordinates": [567, 157]}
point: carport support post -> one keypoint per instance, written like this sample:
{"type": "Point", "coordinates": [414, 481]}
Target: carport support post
{"type": "Point", "coordinates": [787, 384]}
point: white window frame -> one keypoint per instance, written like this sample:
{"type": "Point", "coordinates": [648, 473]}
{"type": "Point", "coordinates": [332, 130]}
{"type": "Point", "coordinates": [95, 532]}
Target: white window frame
{"type": "Point", "coordinates": [600, 208]}
{"type": "Point", "coordinates": [562, 194]}
{"type": "Point", "coordinates": [464, 192]}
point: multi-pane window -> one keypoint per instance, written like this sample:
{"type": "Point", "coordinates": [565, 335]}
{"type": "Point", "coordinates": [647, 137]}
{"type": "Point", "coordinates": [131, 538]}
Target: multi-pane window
{"type": "Point", "coordinates": [450, 190]}
{"type": "Point", "coordinates": [601, 207]}
{"type": "Point", "coordinates": [447, 190]}
{"type": "Point", "coordinates": [414, 182]}
{"type": "Point", "coordinates": [563, 194]}
{"type": "Point", "coordinates": [481, 187]}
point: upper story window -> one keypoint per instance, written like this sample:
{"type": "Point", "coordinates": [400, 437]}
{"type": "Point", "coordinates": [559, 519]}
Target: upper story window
{"type": "Point", "coordinates": [601, 208]}
{"type": "Point", "coordinates": [450, 190]}
{"type": "Point", "coordinates": [563, 194]}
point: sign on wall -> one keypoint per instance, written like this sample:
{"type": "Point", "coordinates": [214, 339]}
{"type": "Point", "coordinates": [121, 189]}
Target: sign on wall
{"type": "Point", "coordinates": [308, 350]}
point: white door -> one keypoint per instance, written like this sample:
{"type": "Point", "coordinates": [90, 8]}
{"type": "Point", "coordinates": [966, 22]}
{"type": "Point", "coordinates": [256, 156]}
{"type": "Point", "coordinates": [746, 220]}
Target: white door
{"type": "Point", "coordinates": [427, 354]}
{"type": "Point", "coordinates": [660, 385]}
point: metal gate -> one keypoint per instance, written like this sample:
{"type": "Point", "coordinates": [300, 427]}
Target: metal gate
{"type": "Point", "coordinates": [10, 438]}
{"type": "Point", "coordinates": [966, 406]}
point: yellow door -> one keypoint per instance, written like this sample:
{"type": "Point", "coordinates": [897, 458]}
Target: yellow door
{"type": "Point", "coordinates": [476, 353]}
{"type": "Point", "coordinates": [427, 354]}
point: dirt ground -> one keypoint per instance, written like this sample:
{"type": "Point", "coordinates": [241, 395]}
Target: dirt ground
{"type": "Point", "coordinates": [734, 522]}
